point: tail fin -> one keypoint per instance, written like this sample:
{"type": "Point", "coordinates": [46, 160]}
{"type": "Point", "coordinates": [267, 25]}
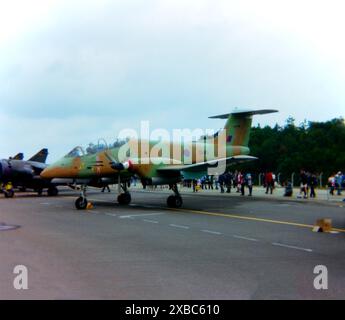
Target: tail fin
{"type": "Point", "coordinates": [19, 156]}
{"type": "Point", "coordinates": [40, 156]}
{"type": "Point", "coordinates": [238, 125]}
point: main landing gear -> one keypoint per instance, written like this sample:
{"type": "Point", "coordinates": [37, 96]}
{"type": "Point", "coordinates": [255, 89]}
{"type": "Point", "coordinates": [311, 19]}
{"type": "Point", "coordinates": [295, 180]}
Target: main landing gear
{"type": "Point", "coordinates": [174, 201]}
{"type": "Point", "coordinates": [52, 191]}
{"type": "Point", "coordinates": [81, 202]}
{"type": "Point", "coordinates": [124, 197]}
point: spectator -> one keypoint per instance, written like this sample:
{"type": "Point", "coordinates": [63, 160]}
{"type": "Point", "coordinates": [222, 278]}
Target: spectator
{"type": "Point", "coordinates": [331, 185]}
{"type": "Point", "coordinates": [288, 189]}
{"type": "Point", "coordinates": [269, 182]}
{"type": "Point", "coordinates": [228, 181]}
{"type": "Point", "coordinates": [312, 183]}
{"type": "Point", "coordinates": [239, 180]}
{"type": "Point", "coordinates": [221, 181]}
{"type": "Point", "coordinates": [338, 179]}
{"type": "Point", "coordinates": [249, 183]}
{"type": "Point", "coordinates": [303, 184]}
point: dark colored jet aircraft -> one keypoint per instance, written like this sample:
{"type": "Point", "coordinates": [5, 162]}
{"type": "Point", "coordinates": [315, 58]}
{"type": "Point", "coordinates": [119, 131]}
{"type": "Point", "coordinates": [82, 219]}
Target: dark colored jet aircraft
{"type": "Point", "coordinates": [25, 174]}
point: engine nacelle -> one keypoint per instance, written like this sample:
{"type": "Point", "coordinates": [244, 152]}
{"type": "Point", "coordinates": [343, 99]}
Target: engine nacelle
{"type": "Point", "coordinates": [161, 180]}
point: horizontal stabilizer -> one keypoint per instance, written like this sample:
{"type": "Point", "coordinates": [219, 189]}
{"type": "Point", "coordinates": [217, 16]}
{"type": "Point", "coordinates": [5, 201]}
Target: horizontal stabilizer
{"type": "Point", "coordinates": [244, 113]}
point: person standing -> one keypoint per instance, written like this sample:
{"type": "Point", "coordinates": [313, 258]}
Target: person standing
{"type": "Point", "coordinates": [303, 184]}
{"type": "Point", "coordinates": [228, 181]}
{"type": "Point", "coordinates": [269, 182]}
{"type": "Point", "coordinates": [249, 183]}
{"type": "Point", "coordinates": [338, 182]}
{"type": "Point", "coordinates": [312, 185]}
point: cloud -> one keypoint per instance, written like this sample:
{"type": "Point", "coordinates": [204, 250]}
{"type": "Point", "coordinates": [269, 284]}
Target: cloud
{"type": "Point", "coordinates": [84, 66]}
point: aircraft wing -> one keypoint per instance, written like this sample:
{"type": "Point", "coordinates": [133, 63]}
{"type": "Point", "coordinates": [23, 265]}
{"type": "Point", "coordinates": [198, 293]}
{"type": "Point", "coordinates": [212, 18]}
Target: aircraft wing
{"type": "Point", "coordinates": [200, 168]}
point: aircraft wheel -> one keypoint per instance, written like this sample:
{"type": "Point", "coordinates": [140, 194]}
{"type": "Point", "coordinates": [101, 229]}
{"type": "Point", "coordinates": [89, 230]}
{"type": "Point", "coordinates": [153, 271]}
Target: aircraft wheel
{"type": "Point", "coordinates": [124, 198]}
{"type": "Point", "coordinates": [39, 191]}
{"type": "Point", "coordinates": [81, 203]}
{"type": "Point", "coordinates": [52, 191]}
{"type": "Point", "coordinates": [174, 201]}
{"type": "Point", "coordinates": [9, 193]}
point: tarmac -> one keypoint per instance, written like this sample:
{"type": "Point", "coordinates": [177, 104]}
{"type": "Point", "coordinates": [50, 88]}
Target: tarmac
{"type": "Point", "coordinates": [217, 246]}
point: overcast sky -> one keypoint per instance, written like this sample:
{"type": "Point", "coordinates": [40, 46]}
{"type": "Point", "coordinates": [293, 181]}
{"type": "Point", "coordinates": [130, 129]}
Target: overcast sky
{"type": "Point", "coordinates": [75, 71]}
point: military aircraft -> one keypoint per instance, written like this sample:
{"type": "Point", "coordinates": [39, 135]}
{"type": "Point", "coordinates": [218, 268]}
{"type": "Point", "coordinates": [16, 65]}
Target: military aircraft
{"type": "Point", "coordinates": [102, 166]}
{"type": "Point", "coordinates": [25, 174]}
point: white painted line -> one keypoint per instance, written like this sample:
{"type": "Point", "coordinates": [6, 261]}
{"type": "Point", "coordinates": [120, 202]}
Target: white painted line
{"type": "Point", "coordinates": [178, 226]}
{"type": "Point", "coordinates": [126, 217]}
{"type": "Point", "coordinates": [245, 238]}
{"type": "Point", "coordinates": [45, 203]}
{"type": "Point", "coordinates": [142, 215]}
{"type": "Point", "coordinates": [150, 221]}
{"type": "Point", "coordinates": [210, 231]}
{"type": "Point", "coordinates": [111, 214]}
{"type": "Point", "coordinates": [291, 247]}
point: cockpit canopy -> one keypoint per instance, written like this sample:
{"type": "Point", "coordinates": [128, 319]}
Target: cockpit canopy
{"type": "Point", "coordinates": [75, 152]}
{"type": "Point", "coordinates": [94, 148]}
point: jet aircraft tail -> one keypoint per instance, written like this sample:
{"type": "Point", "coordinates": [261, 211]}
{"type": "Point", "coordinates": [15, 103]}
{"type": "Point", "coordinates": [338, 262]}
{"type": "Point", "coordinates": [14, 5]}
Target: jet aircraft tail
{"type": "Point", "coordinates": [19, 156]}
{"type": "Point", "coordinates": [238, 125]}
{"type": "Point", "coordinates": [40, 156]}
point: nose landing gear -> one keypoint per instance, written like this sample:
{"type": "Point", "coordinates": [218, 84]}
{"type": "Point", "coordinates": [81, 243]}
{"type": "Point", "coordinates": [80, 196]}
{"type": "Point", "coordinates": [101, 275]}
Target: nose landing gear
{"type": "Point", "coordinates": [81, 202]}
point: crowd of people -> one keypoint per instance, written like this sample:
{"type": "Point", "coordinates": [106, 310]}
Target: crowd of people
{"type": "Point", "coordinates": [225, 182]}
{"type": "Point", "coordinates": [242, 181]}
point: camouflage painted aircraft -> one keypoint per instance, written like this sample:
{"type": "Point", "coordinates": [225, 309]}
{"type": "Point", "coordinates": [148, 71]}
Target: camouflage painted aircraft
{"type": "Point", "coordinates": [102, 167]}
{"type": "Point", "coordinates": [25, 174]}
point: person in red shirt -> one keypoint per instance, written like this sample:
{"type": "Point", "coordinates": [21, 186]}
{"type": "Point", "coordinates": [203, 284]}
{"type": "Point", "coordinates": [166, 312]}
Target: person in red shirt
{"type": "Point", "coordinates": [269, 182]}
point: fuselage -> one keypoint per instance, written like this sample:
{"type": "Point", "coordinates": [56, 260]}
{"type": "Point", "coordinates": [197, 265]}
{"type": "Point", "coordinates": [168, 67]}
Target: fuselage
{"type": "Point", "coordinates": [146, 158]}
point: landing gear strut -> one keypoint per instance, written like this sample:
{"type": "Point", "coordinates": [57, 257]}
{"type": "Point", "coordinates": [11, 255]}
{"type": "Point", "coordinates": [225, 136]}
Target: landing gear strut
{"type": "Point", "coordinates": [81, 202]}
{"type": "Point", "coordinates": [174, 201]}
{"type": "Point", "coordinates": [124, 197]}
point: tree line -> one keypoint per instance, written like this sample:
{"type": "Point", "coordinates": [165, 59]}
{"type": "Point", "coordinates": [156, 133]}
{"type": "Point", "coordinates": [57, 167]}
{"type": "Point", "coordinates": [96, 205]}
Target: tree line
{"type": "Point", "coordinates": [317, 147]}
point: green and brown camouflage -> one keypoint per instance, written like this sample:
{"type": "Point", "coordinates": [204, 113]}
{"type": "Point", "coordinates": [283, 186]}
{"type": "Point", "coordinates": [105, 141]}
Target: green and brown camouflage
{"type": "Point", "coordinates": [159, 162]}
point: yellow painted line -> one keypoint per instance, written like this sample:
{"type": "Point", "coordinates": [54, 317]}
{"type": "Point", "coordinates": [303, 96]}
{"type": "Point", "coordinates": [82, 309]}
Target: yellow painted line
{"type": "Point", "coordinates": [233, 216]}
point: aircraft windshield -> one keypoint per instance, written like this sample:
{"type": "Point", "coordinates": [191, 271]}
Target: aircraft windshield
{"type": "Point", "coordinates": [76, 152]}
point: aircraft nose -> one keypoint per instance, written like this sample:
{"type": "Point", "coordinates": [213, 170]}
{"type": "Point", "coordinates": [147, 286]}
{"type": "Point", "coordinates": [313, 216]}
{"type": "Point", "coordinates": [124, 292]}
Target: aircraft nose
{"type": "Point", "coordinates": [46, 173]}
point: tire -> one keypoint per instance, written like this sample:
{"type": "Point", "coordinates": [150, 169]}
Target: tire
{"type": "Point", "coordinates": [39, 192]}
{"type": "Point", "coordinates": [81, 203]}
{"type": "Point", "coordinates": [124, 198]}
{"type": "Point", "coordinates": [178, 202]}
{"type": "Point", "coordinates": [52, 191]}
{"type": "Point", "coordinates": [174, 201]}
{"type": "Point", "coordinates": [9, 193]}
